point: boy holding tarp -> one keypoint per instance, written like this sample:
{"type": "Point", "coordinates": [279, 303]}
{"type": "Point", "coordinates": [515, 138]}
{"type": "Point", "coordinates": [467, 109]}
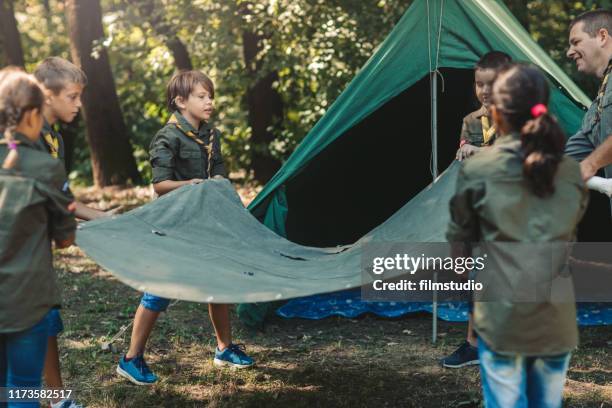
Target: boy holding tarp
{"type": "Point", "coordinates": [62, 83]}
{"type": "Point", "coordinates": [187, 150]}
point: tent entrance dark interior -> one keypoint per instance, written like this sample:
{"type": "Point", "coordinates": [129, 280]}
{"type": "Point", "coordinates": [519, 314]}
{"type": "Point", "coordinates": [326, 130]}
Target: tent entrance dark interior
{"type": "Point", "coordinates": [377, 166]}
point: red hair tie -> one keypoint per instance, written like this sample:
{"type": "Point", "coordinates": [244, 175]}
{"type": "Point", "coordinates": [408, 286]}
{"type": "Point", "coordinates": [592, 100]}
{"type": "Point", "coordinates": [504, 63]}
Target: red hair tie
{"type": "Point", "coordinates": [538, 110]}
{"type": "Point", "coordinates": [12, 145]}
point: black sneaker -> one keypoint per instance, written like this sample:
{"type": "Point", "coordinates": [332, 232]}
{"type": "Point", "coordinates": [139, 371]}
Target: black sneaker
{"type": "Point", "coordinates": [465, 355]}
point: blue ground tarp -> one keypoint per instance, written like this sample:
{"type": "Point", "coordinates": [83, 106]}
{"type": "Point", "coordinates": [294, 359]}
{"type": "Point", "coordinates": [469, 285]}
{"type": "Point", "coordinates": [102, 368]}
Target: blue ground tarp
{"type": "Point", "coordinates": [349, 304]}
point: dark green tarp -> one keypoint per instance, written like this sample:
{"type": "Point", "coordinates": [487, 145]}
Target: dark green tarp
{"type": "Point", "coordinates": [199, 243]}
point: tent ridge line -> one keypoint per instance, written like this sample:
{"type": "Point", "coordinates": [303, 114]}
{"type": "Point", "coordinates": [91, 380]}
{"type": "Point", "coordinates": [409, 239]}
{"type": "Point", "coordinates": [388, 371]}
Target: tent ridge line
{"type": "Point", "coordinates": [577, 94]}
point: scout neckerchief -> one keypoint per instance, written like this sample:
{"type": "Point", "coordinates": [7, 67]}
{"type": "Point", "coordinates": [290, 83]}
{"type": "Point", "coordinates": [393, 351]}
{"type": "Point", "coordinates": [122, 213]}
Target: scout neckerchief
{"type": "Point", "coordinates": [602, 91]}
{"type": "Point", "coordinates": [208, 148]}
{"type": "Point", "coordinates": [487, 130]}
{"type": "Point", "coordinates": [53, 144]}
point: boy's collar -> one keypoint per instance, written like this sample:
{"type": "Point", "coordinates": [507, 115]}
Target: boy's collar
{"type": "Point", "coordinates": [482, 112]}
{"type": "Point", "coordinates": [183, 124]}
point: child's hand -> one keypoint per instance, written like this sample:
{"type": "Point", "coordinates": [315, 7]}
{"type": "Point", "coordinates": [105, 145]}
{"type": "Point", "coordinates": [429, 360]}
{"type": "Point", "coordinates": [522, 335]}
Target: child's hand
{"type": "Point", "coordinates": [64, 243]}
{"type": "Point", "coordinates": [466, 151]}
{"type": "Point", "coordinates": [114, 211]}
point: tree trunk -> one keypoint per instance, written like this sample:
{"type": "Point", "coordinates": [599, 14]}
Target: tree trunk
{"type": "Point", "coordinates": [112, 158]}
{"type": "Point", "coordinates": [153, 13]}
{"type": "Point", "coordinates": [265, 108]}
{"type": "Point", "coordinates": [180, 53]}
{"type": "Point", "coordinates": [11, 41]}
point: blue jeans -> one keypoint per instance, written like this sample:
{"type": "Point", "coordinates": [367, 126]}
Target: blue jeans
{"type": "Point", "coordinates": [154, 303]}
{"type": "Point", "coordinates": [515, 381]}
{"type": "Point", "coordinates": [56, 326]}
{"type": "Point", "coordinates": [22, 357]}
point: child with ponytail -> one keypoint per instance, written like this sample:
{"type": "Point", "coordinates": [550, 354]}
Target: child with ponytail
{"type": "Point", "coordinates": [33, 210]}
{"type": "Point", "coordinates": [521, 190]}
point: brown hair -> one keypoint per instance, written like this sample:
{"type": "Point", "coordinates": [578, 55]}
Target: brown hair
{"type": "Point", "coordinates": [594, 21]}
{"type": "Point", "coordinates": [516, 90]}
{"type": "Point", "coordinates": [19, 93]}
{"type": "Point", "coordinates": [182, 84]}
{"type": "Point", "coordinates": [55, 73]}
{"type": "Point", "coordinates": [493, 60]}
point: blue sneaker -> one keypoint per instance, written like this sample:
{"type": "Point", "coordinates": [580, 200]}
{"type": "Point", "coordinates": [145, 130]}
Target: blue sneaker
{"type": "Point", "coordinates": [66, 404]}
{"type": "Point", "coordinates": [136, 370]}
{"type": "Point", "coordinates": [233, 356]}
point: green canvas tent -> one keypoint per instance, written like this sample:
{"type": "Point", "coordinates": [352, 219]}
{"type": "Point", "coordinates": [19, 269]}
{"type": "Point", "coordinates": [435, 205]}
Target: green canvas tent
{"type": "Point", "coordinates": [398, 122]}
{"type": "Point", "coordinates": [376, 137]}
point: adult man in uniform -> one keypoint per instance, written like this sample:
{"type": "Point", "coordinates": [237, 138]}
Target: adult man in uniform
{"type": "Point", "coordinates": [591, 49]}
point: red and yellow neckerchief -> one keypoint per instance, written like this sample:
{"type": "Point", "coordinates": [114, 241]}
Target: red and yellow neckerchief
{"type": "Point", "coordinates": [207, 147]}
{"type": "Point", "coordinates": [53, 144]}
{"type": "Point", "coordinates": [488, 131]}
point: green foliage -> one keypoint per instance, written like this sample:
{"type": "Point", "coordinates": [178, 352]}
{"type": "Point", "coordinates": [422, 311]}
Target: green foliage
{"type": "Point", "coordinates": [315, 46]}
{"type": "Point", "coordinates": [548, 21]}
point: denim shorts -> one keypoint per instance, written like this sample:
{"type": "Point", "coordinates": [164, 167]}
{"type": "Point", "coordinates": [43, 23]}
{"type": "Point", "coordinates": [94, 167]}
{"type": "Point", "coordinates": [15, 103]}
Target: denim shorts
{"type": "Point", "coordinates": [56, 326]}
{"type": "Point", "coordinates": [154, 303]}
{"type": "Point", "coordinates": [516, 381]}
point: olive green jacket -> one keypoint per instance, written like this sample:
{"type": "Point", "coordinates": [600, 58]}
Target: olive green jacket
{"type": "Point", "coordinates": [33, 211]}
{"type": "Point", "coordinates": [471, 130]}
{"type": "Point", "coordinates": [493, 204]}
{"type": "Point", "coordinates": [178, 152]}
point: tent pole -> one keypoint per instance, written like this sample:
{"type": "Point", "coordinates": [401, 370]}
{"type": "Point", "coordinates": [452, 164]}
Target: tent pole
{"type": "Point", "coordinates": [434, 125]}
{"type": "Point", "coordinates": [434, 171]}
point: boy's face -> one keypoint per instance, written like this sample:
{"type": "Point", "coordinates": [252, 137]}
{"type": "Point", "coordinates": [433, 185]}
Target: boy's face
{"type": "Point", "coordinates": [586, 51]}
{"type": "Point", "coordinates": [483, 84]}
{"type": "Point", "coordinates": [199, 105]}
{"type": "Point", "coordinates": [65, 105]}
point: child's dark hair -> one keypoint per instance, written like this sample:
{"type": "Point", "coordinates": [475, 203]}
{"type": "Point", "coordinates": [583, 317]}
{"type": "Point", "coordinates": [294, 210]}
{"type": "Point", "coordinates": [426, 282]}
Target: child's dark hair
{"type": "Point", "coordinates": [183, 83]}
{"type": "Point", "coordinates": [520, 95]}
{"type": "Point", "coordinates": [55, 73]}
{"type": "Point", "coordinates": [19, 93]}
{"type": "Point", "coordinates": [493, 60]}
